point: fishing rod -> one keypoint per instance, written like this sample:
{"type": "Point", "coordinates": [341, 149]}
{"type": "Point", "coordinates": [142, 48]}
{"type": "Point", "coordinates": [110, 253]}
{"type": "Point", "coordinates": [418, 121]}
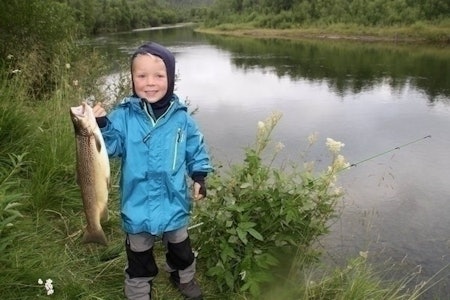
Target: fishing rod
{"type": "Point", "coordinates": [354, 164]}
{"type": "Point", "coordinates": [386, 152]}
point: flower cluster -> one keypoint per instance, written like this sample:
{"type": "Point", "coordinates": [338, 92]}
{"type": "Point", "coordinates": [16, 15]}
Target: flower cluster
{"type": "Point", "coordinates": [265, 129]}
{"type": "Point", "coordinates": [339, 163]}
{"type": "Point", "coordinates": [334, 146]}
{"type": "Point", "coordinates": [48, 286]}
{"type": "Point", "coordinates": [312, 138]}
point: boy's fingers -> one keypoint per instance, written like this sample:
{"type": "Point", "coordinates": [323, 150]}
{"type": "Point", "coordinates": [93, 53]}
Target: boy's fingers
{"type": "Point", "coordinates": [98, 110]}
{"type": "Point", "coordinates": [197, 195]}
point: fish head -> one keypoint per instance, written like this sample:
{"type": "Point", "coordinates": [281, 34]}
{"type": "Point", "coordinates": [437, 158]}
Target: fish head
{"type": "Point", "coordinates": [83, 119]}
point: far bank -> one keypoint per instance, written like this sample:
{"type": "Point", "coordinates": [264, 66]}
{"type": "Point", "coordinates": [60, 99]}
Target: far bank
{"type": "Point", "coordinates": [416, 34]}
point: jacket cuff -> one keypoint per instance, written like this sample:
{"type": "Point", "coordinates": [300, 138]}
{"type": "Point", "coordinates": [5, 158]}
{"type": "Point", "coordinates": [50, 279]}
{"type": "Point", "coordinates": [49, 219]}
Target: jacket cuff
{"type": "Point", "coordinates": [101, 121]}
{"type": "Point", "coordinates": [199, 176]}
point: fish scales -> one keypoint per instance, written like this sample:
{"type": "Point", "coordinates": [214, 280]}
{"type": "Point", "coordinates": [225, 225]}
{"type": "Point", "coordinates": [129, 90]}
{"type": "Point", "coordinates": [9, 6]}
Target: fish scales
{"type": "Point", "coordinates": [93, 172]}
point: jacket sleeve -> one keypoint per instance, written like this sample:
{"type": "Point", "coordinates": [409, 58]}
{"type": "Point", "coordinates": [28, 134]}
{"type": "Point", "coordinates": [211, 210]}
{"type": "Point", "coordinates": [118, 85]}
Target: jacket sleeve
{"type": "Point", "coordinates": [197, 157]}
{"type": "Point", "coordinates": [113, 133]}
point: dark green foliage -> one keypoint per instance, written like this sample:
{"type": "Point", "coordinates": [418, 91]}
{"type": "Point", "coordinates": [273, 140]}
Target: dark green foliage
{"type": "Point", "coordinates": [259, 217]}
{"type": "Point", "coordinates": [284, 13]}
{"type": "Point", "coordinates": [34, 35]}
{"type": "Point", "coordinates": [99, 16]}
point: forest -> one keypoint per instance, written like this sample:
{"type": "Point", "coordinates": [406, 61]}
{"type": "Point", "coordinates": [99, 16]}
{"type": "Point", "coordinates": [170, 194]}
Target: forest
{"type": "Point", "coordinates": [295, 13]}
{"type": "Point", "coordinates": [97, 16]}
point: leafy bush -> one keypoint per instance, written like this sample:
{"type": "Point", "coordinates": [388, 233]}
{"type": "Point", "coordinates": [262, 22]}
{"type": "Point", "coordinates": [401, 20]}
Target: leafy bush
{"type": "Point", "coordinates": [260, 214]}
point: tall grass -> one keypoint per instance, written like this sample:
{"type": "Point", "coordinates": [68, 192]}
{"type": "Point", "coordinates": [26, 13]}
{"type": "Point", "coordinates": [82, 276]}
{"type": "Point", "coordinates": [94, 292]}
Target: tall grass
{"type": "Point", "coordinates": [356, 280]}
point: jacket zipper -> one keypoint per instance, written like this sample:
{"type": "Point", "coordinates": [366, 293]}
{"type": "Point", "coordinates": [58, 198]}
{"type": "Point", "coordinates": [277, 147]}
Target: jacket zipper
{"type": "Point", "coordinates": [177, 141]}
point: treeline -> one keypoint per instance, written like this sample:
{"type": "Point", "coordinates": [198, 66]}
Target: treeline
{"type": "Point", "coordinates": [36, 34]}
{"type": "Point", "coordinates": [99, 16]}
{"type": "Point", "coordinates": [291, 13]}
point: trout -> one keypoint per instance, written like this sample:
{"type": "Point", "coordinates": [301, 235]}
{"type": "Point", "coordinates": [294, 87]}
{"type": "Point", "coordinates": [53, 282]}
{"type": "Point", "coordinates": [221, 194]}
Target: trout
{"type": "Point", "coordinates": [93, 172]}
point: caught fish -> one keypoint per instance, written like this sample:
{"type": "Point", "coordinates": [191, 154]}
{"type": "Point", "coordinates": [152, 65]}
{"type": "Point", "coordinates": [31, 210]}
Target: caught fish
{"type": "Point", "coordinates": [93, 171]}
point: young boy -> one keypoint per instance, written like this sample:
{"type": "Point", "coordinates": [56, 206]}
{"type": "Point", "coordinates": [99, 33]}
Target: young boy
{"type": "Point", "coordinates": [158, 144]}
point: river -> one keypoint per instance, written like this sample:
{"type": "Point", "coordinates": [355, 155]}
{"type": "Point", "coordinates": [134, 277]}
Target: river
{"type": "Point", "coordinates": [383, 101]}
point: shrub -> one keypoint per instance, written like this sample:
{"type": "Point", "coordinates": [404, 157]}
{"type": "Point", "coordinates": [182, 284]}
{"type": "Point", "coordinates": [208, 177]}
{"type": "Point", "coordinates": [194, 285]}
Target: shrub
{"type": "Point", "coordinates": [260, 214]}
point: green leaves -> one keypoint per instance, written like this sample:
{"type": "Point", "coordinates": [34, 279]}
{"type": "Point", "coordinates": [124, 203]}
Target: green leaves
{"type": "Point", "coordinates": [259, 216]}
{"type": "Point", "coordinates": [245, 228]}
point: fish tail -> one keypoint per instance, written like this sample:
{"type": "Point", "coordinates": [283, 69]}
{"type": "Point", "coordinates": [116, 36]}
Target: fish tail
{"type": "Point", "coordinates": [95, 236]}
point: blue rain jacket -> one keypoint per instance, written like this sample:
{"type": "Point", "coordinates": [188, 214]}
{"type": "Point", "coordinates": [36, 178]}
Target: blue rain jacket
{"type": "Point", "coordinates": [156, 157]}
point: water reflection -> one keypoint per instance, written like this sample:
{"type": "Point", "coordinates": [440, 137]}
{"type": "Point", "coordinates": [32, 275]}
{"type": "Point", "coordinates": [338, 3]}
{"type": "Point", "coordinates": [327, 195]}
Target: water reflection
{"type": "Point", "coordinates": [346, 67]}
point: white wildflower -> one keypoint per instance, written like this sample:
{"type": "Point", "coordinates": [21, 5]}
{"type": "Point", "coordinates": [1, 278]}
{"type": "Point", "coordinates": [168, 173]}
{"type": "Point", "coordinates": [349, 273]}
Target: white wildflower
{"type": "Point", "coordinates": [312, 138]}
{"type": "Point", "coordinates": [48, 286]}
{"type": "Point", "coordinates": [10, 56]}
{"type": "Point", "coordinates": [274, 118]}
{"type": "Point", "coordinates": [338, 190]}
{"type": "Point", "coordinates": [309, 166]}
{"type": "Point", "coordinates": [75, 83]}
{"type": "Point", "coordinates": [334, 146]}
{"type": "Point", "coordinates": [67, 66]}
{"type": "Point", "coordinates": [16, 71]}
{"type": "Point", "coordinates": [340, 163]}
{"type": "Point", "coordinates": [261, 125]}
{"type": "Point", "coordinates": [364, 254]}
{"type": "Point", "coordinates": [279, 146]}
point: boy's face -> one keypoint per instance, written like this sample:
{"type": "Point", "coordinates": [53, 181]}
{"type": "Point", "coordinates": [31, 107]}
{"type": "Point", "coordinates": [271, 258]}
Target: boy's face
{"type": "Point", "coordinates": [149, 77]}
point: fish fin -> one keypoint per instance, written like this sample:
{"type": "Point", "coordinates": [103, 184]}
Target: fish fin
{"type": "Point", "coordinates": [97, 236]}
{"type": "Point", "coordinates": [98, 143]}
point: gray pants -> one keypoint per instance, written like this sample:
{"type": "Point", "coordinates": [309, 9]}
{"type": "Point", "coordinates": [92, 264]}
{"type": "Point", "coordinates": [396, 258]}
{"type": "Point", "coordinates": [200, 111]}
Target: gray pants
{"type": "Point", "coordinates": [144, 269]}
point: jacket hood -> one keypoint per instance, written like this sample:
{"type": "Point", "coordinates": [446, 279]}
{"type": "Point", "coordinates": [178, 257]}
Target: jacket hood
{"type": "Point", "coordinates": [168, 59]}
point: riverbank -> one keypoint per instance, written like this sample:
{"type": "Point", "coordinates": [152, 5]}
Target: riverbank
{"type": "Point", "coordinates": [416, 34]}
{"type": "Point", "coordinates": [178, 25]}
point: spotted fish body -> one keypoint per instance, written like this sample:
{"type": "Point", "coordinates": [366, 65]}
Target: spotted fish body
{"type": "Point", "coordinates": [93, 171]}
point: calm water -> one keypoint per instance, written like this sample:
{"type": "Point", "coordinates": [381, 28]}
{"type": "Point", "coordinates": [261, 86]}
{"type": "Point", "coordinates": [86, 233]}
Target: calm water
{"type": "Point", "coordinates": [371, 97]}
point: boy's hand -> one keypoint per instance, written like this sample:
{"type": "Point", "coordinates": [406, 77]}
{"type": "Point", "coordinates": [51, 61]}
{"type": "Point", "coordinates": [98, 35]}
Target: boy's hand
{"type": "Point", "coordinates": [98, 110]}
{"type": "Point", "coordinates": [199, 190]}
